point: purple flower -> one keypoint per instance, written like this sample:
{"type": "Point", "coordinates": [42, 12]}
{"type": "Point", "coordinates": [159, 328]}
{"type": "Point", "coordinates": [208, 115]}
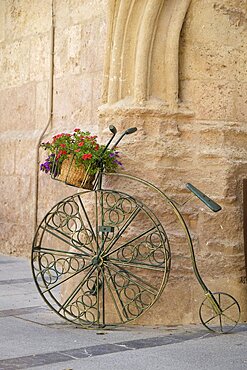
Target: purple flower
{"type": "Point", "coordinates": [45, 167]}
{"type": "Point", "coordinates": [114, 154]}
{"type": "Point", "coordinates": [118, 162]}
{"type": "Point", "coordinates": [48, 165]}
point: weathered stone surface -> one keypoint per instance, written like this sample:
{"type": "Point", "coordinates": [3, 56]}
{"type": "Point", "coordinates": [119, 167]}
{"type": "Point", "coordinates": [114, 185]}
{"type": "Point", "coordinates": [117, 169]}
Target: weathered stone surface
{"type": "Point", "coordinates": [27, 17]}
{"type": "Point", "coordinates": [190, 111]}
{"type": "Point", "coordinates": [198, 61]}
{"type": "Point", "coordinates": [72, 100]}
{"type": "Point", "coordinates": [17, 109]}
{"type": "Point", "coordinates": [82, 11]}
{"type": "Point", "coordinates": [68, 51]}
{"type": "Point", "coordinates": [18, 210]}
{"type": "Point", "coordinates": [40, 57]}
{"type": "Point", "coordinates": [42, 104]}
{"type": "Point", "coordinates": [212, 21]}
{"type": "Point", "coordinates": [8, 160]}
{"type": "Point", "coordinates": [2, 20]}
{"type": "Point", "coordinates": [14, 63]}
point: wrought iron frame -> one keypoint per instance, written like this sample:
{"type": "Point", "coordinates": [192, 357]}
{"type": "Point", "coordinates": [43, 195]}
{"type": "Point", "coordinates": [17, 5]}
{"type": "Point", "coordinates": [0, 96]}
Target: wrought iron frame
{"type": "Point", "coordinates": [95, 244]}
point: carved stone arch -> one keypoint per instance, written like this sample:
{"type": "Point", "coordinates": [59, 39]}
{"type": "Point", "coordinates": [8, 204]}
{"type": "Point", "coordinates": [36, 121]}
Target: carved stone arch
{"type": "Point", "coordinates": [142, 51]}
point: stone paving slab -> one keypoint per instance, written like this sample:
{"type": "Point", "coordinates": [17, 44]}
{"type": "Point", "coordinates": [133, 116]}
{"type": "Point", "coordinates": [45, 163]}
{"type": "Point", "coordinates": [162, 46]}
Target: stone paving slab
{"type": "Point", "coordinates": [33, 336]}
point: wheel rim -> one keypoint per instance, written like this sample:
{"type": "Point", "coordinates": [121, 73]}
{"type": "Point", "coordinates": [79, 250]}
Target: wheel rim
{"type": "Point", "coordinates": [100, 258]}
{"type": "Point", "coordinates": [224, 317]}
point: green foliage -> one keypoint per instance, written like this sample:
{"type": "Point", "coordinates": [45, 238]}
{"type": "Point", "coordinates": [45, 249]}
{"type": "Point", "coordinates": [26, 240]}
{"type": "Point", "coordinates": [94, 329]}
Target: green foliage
{"type": "Point", "coordinates": [85, 151]}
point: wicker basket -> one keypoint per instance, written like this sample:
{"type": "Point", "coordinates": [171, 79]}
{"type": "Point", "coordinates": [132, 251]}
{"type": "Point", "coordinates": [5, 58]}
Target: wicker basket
{"type": "Point", "coordinates": [75, 175]}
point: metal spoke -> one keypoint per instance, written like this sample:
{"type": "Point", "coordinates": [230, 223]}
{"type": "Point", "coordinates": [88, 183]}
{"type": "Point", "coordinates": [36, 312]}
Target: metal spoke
{"type": "Point", "coordinates": [130, 241]}
{"type": "Point", "coordinates": [121, 231]}
{"type": "Point", "coordinates": [213, 317]}
{"type": "Point", "coordinates": [229, 318]}
{"type": "Point", "coordinates": [101, 271]}
{"type": "Point", "coordinates": [76, 290]}
{"type": "Point", "coordinates": [68, 278]}
{"type": "Point", "coordinates": [68, 242]}
{"type": "Point", "coordinates": [227, 308]}
{"type": "Point", "coordinates": [138, 265]}
{"type": "Point", "coordinates": [87, 258]}
{"type": "Point", "coordinates": [226, 322]}
{"type": "Point", "coordinates": [112, 295]}
{"type": "Point", "coordinates": [138, 281]}
{"type": "Point", "coordinates": [88, 221]}
{"type": "Point", "coordinates": [97, 220]}
{"type": "Point", "coordinates": [60, 252]}
{"type": "Point", "coordinates": [220, 323]}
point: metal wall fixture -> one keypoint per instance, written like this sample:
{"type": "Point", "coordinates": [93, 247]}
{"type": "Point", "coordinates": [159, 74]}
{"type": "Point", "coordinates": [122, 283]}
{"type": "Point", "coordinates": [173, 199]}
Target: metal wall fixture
{"type": "Point", "coordinates": [50, 110]}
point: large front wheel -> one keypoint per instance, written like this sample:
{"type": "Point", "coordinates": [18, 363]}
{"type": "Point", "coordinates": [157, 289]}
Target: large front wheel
{"type": "Point", "coordinates": [100, 258]}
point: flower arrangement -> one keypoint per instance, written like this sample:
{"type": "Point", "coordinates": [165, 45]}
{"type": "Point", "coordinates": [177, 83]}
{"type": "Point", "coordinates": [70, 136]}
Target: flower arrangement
{"type": "Point", "coordinates": [82, 149]}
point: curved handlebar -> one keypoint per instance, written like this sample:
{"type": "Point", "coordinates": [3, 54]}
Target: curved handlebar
{"type": "Point", "coordinates": [129, 131]}
{"type": "Point", "coordinates": [113, 129]}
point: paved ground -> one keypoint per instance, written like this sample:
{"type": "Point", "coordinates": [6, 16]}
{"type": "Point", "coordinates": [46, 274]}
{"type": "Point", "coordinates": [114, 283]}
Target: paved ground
{"type": "Point", "coordinates": [31, 336]}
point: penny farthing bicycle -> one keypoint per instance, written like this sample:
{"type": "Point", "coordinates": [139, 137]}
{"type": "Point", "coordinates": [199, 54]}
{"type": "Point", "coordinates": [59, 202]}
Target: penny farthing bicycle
{"type": "Point", "coordinates": [101, 257]}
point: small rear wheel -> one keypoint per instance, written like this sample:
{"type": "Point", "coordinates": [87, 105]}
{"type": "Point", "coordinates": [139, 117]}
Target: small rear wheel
{"type": "Point", "coordinates": [219, 312]}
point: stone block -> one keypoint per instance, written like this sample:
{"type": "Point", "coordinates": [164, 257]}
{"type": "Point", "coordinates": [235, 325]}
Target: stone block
{"type": "Point", "coordinates": [92, 57]}
{"type": "Point", "coordinates": [8, 157]}
{"type": "Point", "coordinates": [173, 307]}
{"type": "Point", "coordinates": [14, 63]}
{"type": "Point", "coordinates": [16, 209]}
{"type": "Point", "coordinates": [199, 61]}
{"type": "Point", "coordinates": [40, 57]}
{"type": "Point", "coordinates": [214, 99]}
{"type": "Point", "coordinates": [241, 100]}
{"type": "Point", "coordinates": [27, 17]}
{"type": "Point", "coordinates": [42, 100]}
{"type": "Point", "coordinates": [68, 50]}
{"type": "Point", "coordinates": [224, 238]}
{"type": "Point", "coordinates": [72, 99]}
{"type": "Point", "coordinates": [26, 146]}
{"type": "Point", "coordinates": [96, 95]}
{"type": "Point", "coordinates": [82, 11]}
{"type": "Point", "coordinates": [50, 193]}
{"type": "Point", "coordinates": [213, 21]}
{"type": "Point", "coordinates": [17, 107]}
{"type": "Point", "coordinates": [62, 12]}
{"type": "Point", "coordinates": [2, 20]}
{"type": "Point", "coordinates": [16, 238]}
{"type": "Point", "coordinates": [235, 142]}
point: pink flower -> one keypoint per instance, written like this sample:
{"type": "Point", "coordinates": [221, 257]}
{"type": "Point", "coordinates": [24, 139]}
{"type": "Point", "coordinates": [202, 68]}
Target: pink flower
{"type": "Point", "coordinates": [81, 143]}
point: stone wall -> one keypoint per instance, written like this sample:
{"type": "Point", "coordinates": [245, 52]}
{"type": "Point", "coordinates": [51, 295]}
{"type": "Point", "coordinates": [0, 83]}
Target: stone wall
{"type": "Point", "coordinates": [190, 114]}
{"type": "Point", "coordinates": [25, 64]}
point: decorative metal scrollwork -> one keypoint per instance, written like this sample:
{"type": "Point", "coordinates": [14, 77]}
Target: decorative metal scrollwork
{"type": "Point", "coordinates": [94, 265]}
